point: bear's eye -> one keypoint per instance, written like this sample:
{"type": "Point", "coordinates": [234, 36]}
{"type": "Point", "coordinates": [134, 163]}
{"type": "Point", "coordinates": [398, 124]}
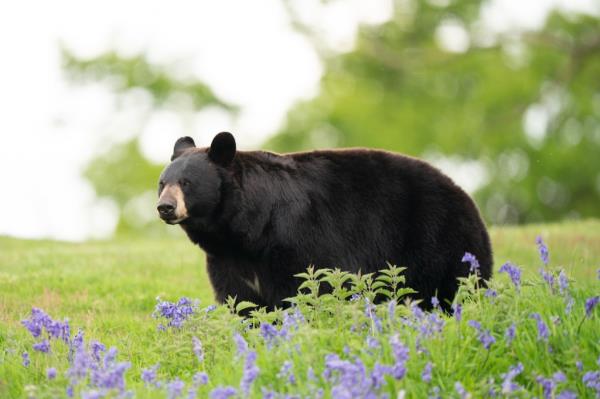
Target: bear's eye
{"type": "Point", "coordinates": [161, 185]}
{"type": "Point", "coordinates": [184, 183]}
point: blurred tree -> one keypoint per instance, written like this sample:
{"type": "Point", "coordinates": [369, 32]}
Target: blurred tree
{"type": "Point", "coordinates": [524, 108]}
{"type": "Point", "coordinates": [122, 173]}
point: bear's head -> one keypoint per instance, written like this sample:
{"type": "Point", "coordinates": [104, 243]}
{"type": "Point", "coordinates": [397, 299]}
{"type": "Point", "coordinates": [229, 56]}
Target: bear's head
{"type": "Point", "coordinates": [190, 186]}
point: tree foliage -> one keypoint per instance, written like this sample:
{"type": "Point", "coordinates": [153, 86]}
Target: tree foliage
{"type": "Point", "coordinates": [526, 107]}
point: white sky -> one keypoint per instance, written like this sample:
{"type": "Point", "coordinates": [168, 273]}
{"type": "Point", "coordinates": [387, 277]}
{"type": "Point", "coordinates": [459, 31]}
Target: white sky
{"type": "Point", "coordinates": [245, 50]}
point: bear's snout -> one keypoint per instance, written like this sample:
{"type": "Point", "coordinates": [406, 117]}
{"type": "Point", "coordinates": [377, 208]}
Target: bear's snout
{"type": "Point", "coordinates": [171, 205]}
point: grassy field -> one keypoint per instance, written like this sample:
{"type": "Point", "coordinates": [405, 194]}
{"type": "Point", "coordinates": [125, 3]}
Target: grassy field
{"type": "Point", "coordinates": [109, 290]}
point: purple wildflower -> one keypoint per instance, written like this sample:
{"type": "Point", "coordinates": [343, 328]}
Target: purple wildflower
{"type": "Point", "coordinates": [197, 348]}
{"type": "Point", "coordinates": [435, 302]}
{"type": "Point", "coordinates": [579, 365]}
{"type": "Point", "coordinates": [543, 250]}
{"type": "Point", "coordinates": [269, 334]}
{"type": "Point", "coordinates": [97, 348]}
{"type": "Point", "coordinates": [510, 333]}
{"type": "Point", "coordinates": [457, 311]}
{"type": "Point", "coordinates": [378, 375]}
{"type": "Point", "coordinates": [475, 324]}
{"type": "Point", "coordinates": [485, 337]}
{"type": "Point", "coordinates": [176, 313]}
{"type": "Point", "coordinates": [223, 393]}
{"type": "Point", "coordinates": [250, 372]}
{"type": "Point", "coordinates": [26, 360]}
{"type": "Point", "coordinates": [372, 342]}
{"type": "Point", "coordinates": [149, 374]}
{"type": "Point", "coordinates": [435, 393]}
{"type": "Point", "coordinates": [591, 379]}
{"type": "Point", "coordinates": [566, 394]}
{"type": "Point", "coordinates": [462, 392]}
{"type": "Point", "coordinates": [200, 378]}
{"type": "Point", "coordinates": [508, 384]}
{"type": "Point", "coordinates": [350, 380]}
{"type": "Point", "coordinates": [548, 386]}
{"type": "Point", "coordinates": [242, 345]}
{"type": "Point", "coordinates": [43, 346]}
{"type": "Point", "coordinates": [563, 282]}
{"type": "Point", "coordinates": [392, 310]}
{"type": "Point", "coordinates": [491, 293]}
{"type": "Point", "coordinates": [590, 304]}
{"type": "Point", "coordinates": [354, 297]}
{"type": "Point", "coordinates": [93, 394]}
{"type": "Point", "coordinates": [426, 374]}
{"type": "Point", "coordinates": [569, 306]}
{"type": "Point", "coordinates": [472, 260]}
{"type": "Point", "coordinates": [543, 332]}
{"type": "Point", "coordinates": [287, 373]}
{"type": "Point", "coordinates": [175, 388]}
{"type": "Point", "coordinates": [51, 373]}
{"type": "Point", "coordinates": [400, 352]}
{"type": "Point", "coordinates": [514, 272]}
{"type": "Point", "coordinates": [210, 308]}
{"type": "Point", "coordinates": [548, 278]}
{"type": "Point", "coordinates": [370, 313]}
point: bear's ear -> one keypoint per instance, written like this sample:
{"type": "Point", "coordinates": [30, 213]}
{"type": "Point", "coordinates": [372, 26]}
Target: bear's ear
{"type": "Point", "coordinates": [182, 144]}
{"type": "Point", "coordinates": [222, 149]}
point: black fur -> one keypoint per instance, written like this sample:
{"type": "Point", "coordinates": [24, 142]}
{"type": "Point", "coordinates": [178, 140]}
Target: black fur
{"type": "Point", "coordinates": [269, 215]}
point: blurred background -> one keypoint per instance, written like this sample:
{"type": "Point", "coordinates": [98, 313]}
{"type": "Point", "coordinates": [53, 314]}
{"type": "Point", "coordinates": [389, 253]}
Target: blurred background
{"type": "Point", "coordinates": [502, 95]}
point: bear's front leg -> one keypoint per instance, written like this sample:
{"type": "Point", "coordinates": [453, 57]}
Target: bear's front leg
{"type": "Point", "coordinates": [233, 278]}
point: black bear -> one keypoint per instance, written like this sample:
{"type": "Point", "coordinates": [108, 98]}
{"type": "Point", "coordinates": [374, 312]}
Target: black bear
{"type": "Point", "coordinates": [263, 217]}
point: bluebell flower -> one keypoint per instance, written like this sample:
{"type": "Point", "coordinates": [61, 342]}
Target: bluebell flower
{"type": "Point", "coordinates": [543, 250]}
{"type": "Point", "coordinates": [392, 310]}
{"type": "Point", "coordinates": [269, 334]}
{"type": "Point", "coordinates": [200, 378]}
{"type": "Point", "coordinates": [51, 373]}
{"type": "Point", "coordinates": [241, 344]}
{"type": "Point", "coordinates": [378, 375]}
{"type": "Point", "coordinates": [457, 311]}
{"type": "Point", "coordinates": [285, 372]}
{"type": "Point", "coordinates": [566, 394]}
{"type": "Point", "coordinates": [223, 393]}
{"type": "Point", "coordinates": [543, 332]}
{"type": "Point", "coordinates": [92, 394]}
{"type": "Point", "coordinates": [435, 302]}
{"type": "Point", "coordinates": [508, 384]}
{"type": "Point", "coordinates": [210, 308]}
{"type": "Point", "coordinates": [484, 336]}
{"type": "Point", "coordinates": [462, 392]}
{"type": "Point", "coordinates": [591, 379]}
{"type": "Point", "coordinates": [590, 304]}
{"type": "Point", "coordinates": [250, 372]}
{"type": "Point", "coordinates": [472, 260]}
{"type": "Point", "coordinates": [372, 342]}
{"type": "Point", "coordinates": [569, 306]}
{"type": "Point", "coordinates": [175, 313]}
{"type": "Point", "coordinates": [510, 333]}
{"type": "Point", "coordinates": [401, 353]}
{"type": "Point", "coordinates": [25, 357]}
{"type": "Point", "coordinates": [97, 348]}
{"type": "Point", "coordinates": [175, 388]}
{"type": "Point", "coordinates": [372, 315]}
{"type": "Point", "coordinates": [435, 393]}
{"type": "Point", "coordinates": [491, 293]}
{"type": "Point", "coordinates": [514, 272]}
{"type": "Point", "coordinates": [563, 282]}
{"type": "Point", "coordinates": [426, 374]}
{"type": "Point", "coordinates": [149, 375]}
{"type": "Point", "coordinates": [548, 277]}
{"type": "Point", "coordinates": [197, 348]}
{"type": "Point", "coordinates": [43, 346]}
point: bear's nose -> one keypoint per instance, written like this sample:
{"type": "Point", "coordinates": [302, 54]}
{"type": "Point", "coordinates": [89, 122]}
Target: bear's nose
{"type": "Point", "coordinates": [165, 209]}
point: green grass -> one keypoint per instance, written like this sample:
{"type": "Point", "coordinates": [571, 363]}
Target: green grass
{"type": "Point", "coordinates": [109, 288]}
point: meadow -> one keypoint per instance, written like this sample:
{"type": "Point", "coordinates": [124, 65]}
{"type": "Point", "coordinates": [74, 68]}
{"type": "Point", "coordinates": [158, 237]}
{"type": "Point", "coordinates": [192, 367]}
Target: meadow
{"type": "Point", "coordinates": [529, 334]}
